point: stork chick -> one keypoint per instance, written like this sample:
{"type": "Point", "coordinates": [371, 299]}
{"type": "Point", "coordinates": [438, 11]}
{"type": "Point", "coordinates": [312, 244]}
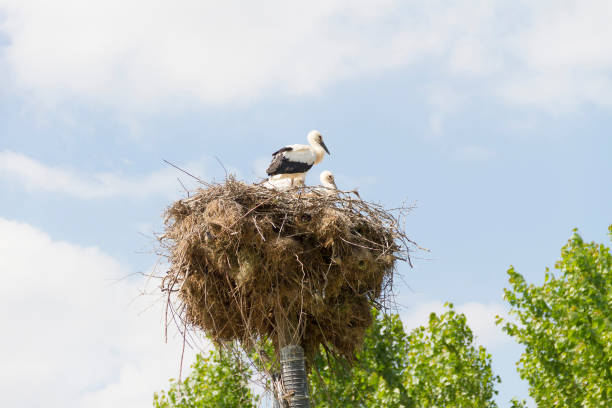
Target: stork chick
{"type": "Point", "coordinates": [328, 182]}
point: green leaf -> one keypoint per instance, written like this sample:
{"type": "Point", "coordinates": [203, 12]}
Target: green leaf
{"type": "Point", "coordinates": [565, 326]}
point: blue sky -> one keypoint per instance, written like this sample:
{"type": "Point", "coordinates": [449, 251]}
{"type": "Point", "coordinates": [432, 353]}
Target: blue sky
{"type": "Point", "coordinates": [493, 118]}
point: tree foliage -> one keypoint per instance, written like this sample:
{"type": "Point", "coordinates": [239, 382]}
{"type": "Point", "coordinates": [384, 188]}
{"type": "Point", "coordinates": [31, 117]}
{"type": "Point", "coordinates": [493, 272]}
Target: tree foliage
{"type": "Point", "coordinates": [445, 369]}
{"type": "Point", "coordinates": [434, 366]}
{"type": "Point", "coordinates": [374, 379]}
{"type": "Point", "coordinates": [216, 381]}
{"type": "Point", "coordinates": [566, 327]}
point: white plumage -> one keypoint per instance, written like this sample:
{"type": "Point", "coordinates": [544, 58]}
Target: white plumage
{"type": "Point", "coordinates": [293, 161]}
{"type": "Point", "coordinates": [281, 184]}
{"type": "Point", "coordinates": [328, 183]}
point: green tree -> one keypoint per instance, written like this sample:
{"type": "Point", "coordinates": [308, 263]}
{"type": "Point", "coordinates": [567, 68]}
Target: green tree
{"type": "Point", "coordinates": [566, 327]}
{"type": "Point", "coordinates": [445, 369]}
{"type": "Point", "coordinates": [216, 381]}
{"type": "Point", "coordinates": [374, 379]}
{"type": "Point", "coordinates": [434, 366]}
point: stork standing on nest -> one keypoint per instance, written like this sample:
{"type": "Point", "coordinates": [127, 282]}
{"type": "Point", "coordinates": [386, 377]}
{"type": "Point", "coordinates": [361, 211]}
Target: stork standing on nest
{"type": "Point", "coordinates": [294, 161]}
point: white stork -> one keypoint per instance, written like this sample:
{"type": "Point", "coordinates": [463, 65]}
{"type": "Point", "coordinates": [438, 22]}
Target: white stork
{"type": "Point", "coordinates": [294, 161]}
{"type": "Point", "coordinates": [328, 183]}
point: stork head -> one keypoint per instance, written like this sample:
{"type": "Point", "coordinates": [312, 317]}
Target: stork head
{"type": "Point", "coordinates": [316, 138]}
{"type": "Point", "coordinates": [327, 179]}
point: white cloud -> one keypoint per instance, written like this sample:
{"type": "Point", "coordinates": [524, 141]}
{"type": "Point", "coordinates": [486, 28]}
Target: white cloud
{"type": "Point", "coordinates": [570, 34]}
{"type": "Point", "coordinates": [480, 318]}
{"type": "Point", "coordinates": [559, 91]}
{"type": "Point", "coordinates": [74, 335]}
{"type": "Point", "coordinates": [37, 176]}
{"type": "Point", "coordinates": [563, 56]}
{"type": "Point", "coordinates": [137, 54]}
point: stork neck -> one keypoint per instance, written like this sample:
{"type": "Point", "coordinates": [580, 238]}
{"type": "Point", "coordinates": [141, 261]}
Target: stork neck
{"type": "Point", "coordinates": [319, 152]}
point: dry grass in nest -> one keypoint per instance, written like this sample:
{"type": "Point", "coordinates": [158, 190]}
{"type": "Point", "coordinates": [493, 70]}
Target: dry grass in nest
{"type": "Point", "coordinates": [299, 266]}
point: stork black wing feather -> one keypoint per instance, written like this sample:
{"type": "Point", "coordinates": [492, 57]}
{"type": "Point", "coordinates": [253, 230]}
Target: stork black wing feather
{"type": "Point", "coordinates": [282, 150]}
{"type": "Point", "coordinates": [281, 165]}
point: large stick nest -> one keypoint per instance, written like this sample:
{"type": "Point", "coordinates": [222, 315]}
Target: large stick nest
{"type": "Point", "coordinates": [299, 267]}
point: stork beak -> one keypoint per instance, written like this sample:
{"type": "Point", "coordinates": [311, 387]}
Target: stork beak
{"type": "Point", "coordinates": [325, 147]}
